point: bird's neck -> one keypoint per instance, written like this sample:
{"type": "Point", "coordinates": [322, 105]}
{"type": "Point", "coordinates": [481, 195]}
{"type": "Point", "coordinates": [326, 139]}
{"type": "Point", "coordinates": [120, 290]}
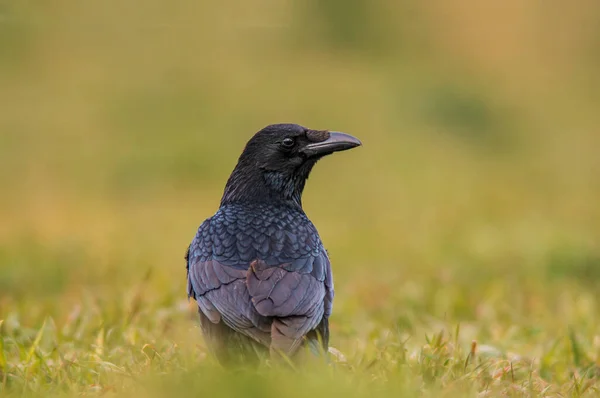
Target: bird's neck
{"type": "Point", "coordinates": [263, 186]}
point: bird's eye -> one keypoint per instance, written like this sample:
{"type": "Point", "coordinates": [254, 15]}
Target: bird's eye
{"type": "Point", "coordinates": [288, 142]}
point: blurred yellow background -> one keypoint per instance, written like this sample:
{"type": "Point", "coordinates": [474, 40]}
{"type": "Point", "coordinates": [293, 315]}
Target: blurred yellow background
{"type": "Point", "coordinates": [479, 172]}
{"type": "Point", "coordinates": [120, 122]}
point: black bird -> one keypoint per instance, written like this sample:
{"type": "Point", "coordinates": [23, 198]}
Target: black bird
{"type": "Point", "coordinates": [257, 268]}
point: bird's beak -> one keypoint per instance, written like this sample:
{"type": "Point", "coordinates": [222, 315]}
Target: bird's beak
{"type": "Point", "coordinates": [336, 142]}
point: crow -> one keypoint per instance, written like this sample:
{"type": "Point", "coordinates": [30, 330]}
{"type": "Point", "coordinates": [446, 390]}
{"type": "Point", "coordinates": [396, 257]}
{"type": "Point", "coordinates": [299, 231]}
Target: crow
{"type": "Point", "coordinates": [257, 268]}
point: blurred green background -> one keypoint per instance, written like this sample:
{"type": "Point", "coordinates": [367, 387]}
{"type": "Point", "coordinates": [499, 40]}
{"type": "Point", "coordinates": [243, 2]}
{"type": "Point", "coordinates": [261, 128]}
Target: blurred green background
{"type": "Point", "coordinates": [474, 200]}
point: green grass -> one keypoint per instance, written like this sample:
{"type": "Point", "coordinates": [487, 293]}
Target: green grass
{"type": "Point", "coordinates": [464, 234]}
{"type": "Point", "coordinates": [459, 335]}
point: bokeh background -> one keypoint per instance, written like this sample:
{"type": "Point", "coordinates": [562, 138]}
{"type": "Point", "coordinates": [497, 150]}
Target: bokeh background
{"type": "Point", "coordinates": [475, 199]}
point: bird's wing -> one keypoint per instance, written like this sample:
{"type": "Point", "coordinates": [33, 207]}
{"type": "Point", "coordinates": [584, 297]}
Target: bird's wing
{"type": "Point", "coordinates": [221, 293]}
{"type": "Point", "coordinates": [220, 290]}
{"type": "Point", "coordinates": [294, 297]}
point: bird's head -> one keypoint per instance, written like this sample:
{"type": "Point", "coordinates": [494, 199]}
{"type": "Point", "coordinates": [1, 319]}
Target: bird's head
{"type": "Point", "coordinates": [277, 161]}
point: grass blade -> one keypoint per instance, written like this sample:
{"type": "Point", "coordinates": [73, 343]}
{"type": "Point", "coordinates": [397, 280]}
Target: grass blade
{"type": "Point", "coordinates": [36, 342]}
{"type": "Point", "coordinates": [3, 363]}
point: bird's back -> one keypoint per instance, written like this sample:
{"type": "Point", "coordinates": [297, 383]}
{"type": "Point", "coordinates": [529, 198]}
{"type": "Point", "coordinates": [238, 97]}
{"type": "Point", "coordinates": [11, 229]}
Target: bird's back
{"type": "Point", "coordinates": [259, 272]}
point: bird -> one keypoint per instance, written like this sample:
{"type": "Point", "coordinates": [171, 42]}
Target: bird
{"type": "Point", "coordinates": [257, 268]}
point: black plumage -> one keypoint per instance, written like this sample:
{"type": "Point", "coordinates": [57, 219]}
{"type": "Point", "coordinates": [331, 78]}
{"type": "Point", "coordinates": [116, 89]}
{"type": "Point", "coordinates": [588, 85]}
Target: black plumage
{"type": "Point", "coordinates": [257, 268]}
